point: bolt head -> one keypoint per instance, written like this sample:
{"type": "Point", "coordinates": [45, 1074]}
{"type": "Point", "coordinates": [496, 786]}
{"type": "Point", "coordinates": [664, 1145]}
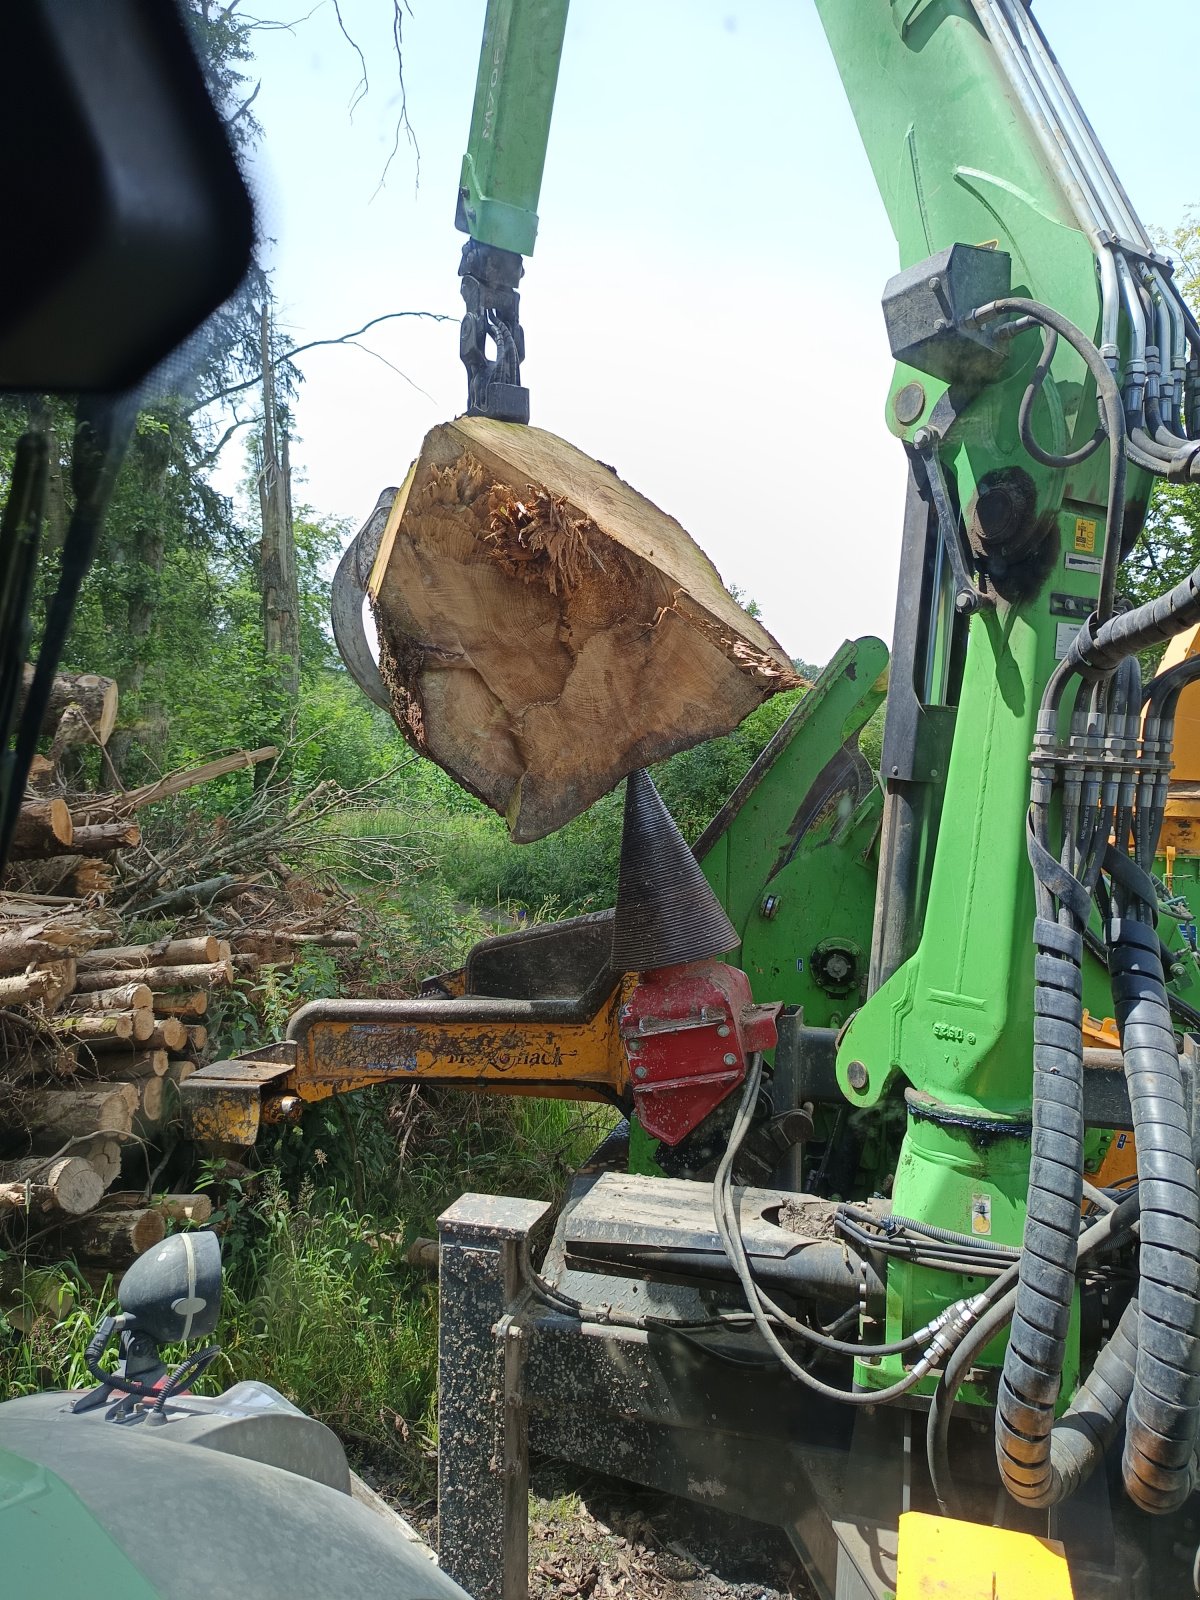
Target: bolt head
{"type": "Point", "coordinates": [640, 1072]}
{"type": "Point", "coordinates": [723, 1031]}
{"type": "Point", "coordinates": [729, 1059]}
{"type": "Point", "coordinates": [857, 1076]}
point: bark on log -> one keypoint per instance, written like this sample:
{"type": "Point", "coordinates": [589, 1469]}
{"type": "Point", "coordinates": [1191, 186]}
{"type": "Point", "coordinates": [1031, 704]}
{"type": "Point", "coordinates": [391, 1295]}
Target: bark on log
{"type": "Point", "coordinates": [130, 1065]}
{"type": "Point", "coordinates": [46, 986]}
{"type": "Point", "coordinates": [41, 939]}
{"type": "Point", "coordinates": [544, 629]}
{"type": "Point", "coordinates": [68, 1184]}
{"type": "Point", "coordinates": [208, 975]}
{"type": "Point", "coordinates": [194, 896]}
{"type": "Point", "coordinates": [95, 696]}
{"type": "Point", "coordinates": [101, 838]}
{"type": "Point", "coordinates": [117, 1236]}
{"type": "Point", "coordinates": [56, 1115]}
{"type": "Point", "coordinates": [138, 1029]}
{"type": "Point", "coordinates": [167, 953]}
{"type": "Point", "coordinates": [43, 828]}
{"type": "Point", "coordinates": [176, 782]}
{"type": "Point", "coordinates": [126, 997]}
{"type": "Point", "coordinates": [180, 1002]}
{"type": "Point", "coordinates": [97, 1027]}
{"type": "Point", "coordinates": [41, 775]}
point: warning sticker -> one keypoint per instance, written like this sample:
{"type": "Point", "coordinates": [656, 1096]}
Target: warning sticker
{"type": "Point", "coordinates": [1063, 635]}
{"type": "Point", "coordinates": [1085, 533]}
{"type": "Point", "coordinates": [1076, 563]}
{"type": "Point", "coordinates": [981, 1213]}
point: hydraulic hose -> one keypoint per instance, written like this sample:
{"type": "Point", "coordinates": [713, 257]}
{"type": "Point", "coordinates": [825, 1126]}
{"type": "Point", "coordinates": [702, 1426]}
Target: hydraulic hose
{"type": "Point", "coordinates": [1112, 413]}
{"type": "Point", "coordinates": [1079, 1438]}
{"type": "Point", "coordinates": [1033, 1363]}
{"type": "Point", "coordinates": [1164, 1407]}
{"type": "Point", "coordinates": [1072, 458]}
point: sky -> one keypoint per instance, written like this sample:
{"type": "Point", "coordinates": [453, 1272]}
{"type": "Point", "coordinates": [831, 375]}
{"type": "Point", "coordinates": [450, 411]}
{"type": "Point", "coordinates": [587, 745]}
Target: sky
{"type": "Point", "coordinates": [711, 238]}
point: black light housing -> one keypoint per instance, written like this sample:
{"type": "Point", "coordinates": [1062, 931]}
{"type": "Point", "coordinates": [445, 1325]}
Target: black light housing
{"type": "Point", "coordinates": [173, 1291]}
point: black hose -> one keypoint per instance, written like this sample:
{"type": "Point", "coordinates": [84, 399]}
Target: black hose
{"type": "Point", "coordinates": [1033, 1362]}
{"type": "Point", "coordinates": [1164, 1407]}
{"type": "Point", "coordinates": [1078, 1439]}
{"type": "Point", "coordinates": [1112, 413]}
{"type": "Point", "coordinates": [1025, 416]}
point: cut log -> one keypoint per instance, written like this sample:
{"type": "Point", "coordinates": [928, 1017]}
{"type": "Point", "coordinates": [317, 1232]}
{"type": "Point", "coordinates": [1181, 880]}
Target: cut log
{"type": "Point", "coordinates": [208, 975]}
{"type": "Point", "coordinates": [544, 629]}
{"type": "Point", "coordinates": [95, 696]}
{"type": "Point", "coordinates": [39, 939]}
{"type": "Point", "coordinates": [145, 1025]}
{"type": "Point", "coordinates": [46, 986]}
{"type": "Point", "coordinates": [101, 838]}
{"type": "Point", "coordinates": [117, 1236]}
{"type": "Point", "coordinates": [43, 828]}
{"type": "Point", "coordinates": [68, 1184]}
{"type": "Point", "coordinates": [127, 997]}
{"type": "Point", "coordinates": [194, 896]}
{"type": "Point", "coordinates": [181, 1208]}
{"type": "Point", "coordinates": [97, 1027]}
{"type": "Point", "coordinates": [151, 1101]}
{"type": "Point", "coordinates": [180, 1069]}
{"type": "Point", "coordinates": [41, 775]}
{"type": "Point", "coordinates": [130, 1065]}
{"type": "Point", "coordinates": [53, 1116]}
{"type": "Point", "coordinates": [180, 1002]}
{"type": "Point", "coordinates": [94, 878]}
{"type": "Point", "coordinates": [103, 1155]}
{"type": "Point", "coordinates": [168, 1033]}
{"type": "Point", "coordinates": [197, 1038]}
{"type": "Point", "coordinates": [167, 953]}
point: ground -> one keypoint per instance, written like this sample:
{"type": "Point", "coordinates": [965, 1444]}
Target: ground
{"type": "Point", "coordinates": [592, 1537]}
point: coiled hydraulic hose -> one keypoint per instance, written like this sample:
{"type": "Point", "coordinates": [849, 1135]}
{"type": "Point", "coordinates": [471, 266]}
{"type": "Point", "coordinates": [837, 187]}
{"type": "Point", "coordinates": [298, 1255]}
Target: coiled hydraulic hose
{"type": "Point", "coordinates": [1078, 1439]}
{"type": "Point", "coordinates": [1164, 1407]}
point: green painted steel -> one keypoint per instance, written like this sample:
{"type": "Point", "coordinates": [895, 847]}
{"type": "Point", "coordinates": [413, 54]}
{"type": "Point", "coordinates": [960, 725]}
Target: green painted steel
{"type": "Point", "coordinates": [510, 122]}
{"type": "Point", "coordinates": [957, 162]}
{"type": "Point", "coordinates": [53, 1545]}
{"type": "Point", "coordinates": [792, 853]}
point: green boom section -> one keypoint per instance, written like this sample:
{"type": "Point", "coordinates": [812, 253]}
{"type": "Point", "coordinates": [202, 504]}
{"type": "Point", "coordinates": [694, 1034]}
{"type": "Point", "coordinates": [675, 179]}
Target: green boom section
{"type": "Point", "coordinates": [956, 161]}
{"type": "Point", "coordinates": [510, 122]}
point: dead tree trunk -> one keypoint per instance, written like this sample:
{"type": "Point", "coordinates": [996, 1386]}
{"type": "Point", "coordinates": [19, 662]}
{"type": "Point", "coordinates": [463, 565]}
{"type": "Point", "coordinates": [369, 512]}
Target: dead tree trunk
{"type": "Point", "coordinates": [277, 552]}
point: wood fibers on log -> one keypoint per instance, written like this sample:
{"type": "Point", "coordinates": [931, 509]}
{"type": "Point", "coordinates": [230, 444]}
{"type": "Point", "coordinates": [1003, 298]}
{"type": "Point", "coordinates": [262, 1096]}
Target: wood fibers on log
{"type": "Point", "coordinates": [544, 629]}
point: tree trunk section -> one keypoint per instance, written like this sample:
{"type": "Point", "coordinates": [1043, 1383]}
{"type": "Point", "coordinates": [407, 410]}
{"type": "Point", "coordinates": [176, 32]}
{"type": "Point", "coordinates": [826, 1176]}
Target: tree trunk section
{"type": "Point", "coordinates": [172, 952]}
{"type": "Point", "coordinates": [544, 629]}
{"type": "Point", "coordinates": [56, 1115]}
{"type": "Point", "coordinates": [277, 553]}
{"type": "Point", "coordinates": [68, 1184]}
{"type": "Point", "coordinates": [117, 1236]}
{"type": "Point", "coordinates": [44, 828]}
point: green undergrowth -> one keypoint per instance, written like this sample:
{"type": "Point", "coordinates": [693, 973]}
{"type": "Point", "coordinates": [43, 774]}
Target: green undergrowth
{"type": "Point", "coordinates": [320, 1300]}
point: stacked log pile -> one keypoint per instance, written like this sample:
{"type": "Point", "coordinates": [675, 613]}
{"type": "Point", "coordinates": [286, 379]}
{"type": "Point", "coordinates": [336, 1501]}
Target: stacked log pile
{"type": "Point", "coordinates": [97, 1033]}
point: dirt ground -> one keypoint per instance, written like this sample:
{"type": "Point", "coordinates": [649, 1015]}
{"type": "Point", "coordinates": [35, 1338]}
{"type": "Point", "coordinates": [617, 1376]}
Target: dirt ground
{"type": "Point", "coordinates": [592, 1538]}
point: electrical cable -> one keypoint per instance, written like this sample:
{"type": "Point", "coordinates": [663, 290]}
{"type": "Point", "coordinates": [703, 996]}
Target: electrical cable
{"type": "Point", "coordinates": [1025, 415]}
{"type": "Point", "coordinates": [1112, 413]}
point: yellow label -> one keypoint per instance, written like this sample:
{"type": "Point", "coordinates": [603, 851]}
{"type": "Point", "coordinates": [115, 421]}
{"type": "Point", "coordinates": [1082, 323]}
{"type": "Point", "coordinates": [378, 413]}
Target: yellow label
{"type": "Point", "coordinates": [1085, 534]}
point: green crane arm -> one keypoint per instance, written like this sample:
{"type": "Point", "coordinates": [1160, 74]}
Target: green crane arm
{"type": "Point", "coordinates": [498, 193]}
